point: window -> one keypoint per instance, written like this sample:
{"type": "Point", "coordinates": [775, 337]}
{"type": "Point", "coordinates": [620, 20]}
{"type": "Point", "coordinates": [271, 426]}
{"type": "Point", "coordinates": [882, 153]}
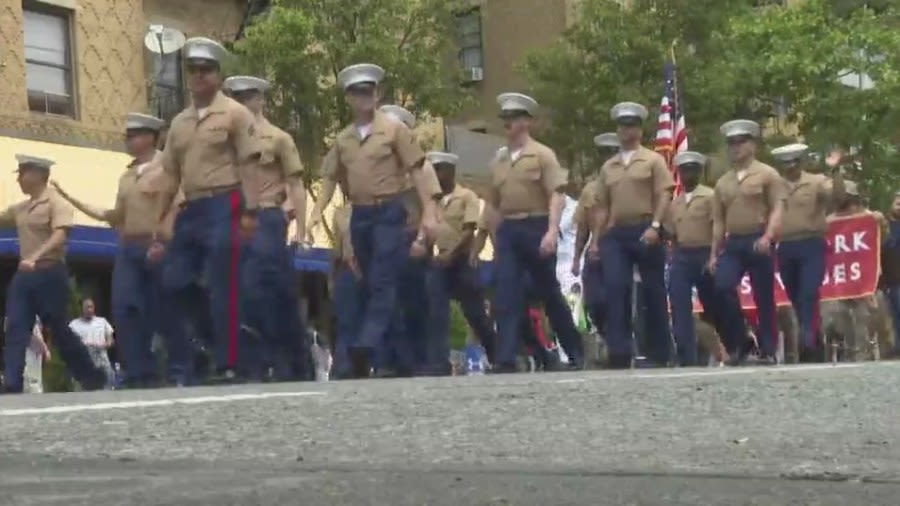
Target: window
{"type": "Point", "coordinates": [167, 92]}
{"type": "Point", "coordinates": [468, 25]}
{"type": "Point", "coordinates": [48, 62]}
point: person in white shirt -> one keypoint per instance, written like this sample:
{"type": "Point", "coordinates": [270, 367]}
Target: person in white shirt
{"type": "Point", "coordinates": [35, 355]}
{"type": "Point", "coordinates": [97, 335]}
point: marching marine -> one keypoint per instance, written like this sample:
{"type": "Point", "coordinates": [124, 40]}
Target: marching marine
{"type": "Point", "coordinates": [211, 152]}
{"type": "Point", "coordinates": [801, 246]}
{"type": "Point", "coordinates": [690, 222]}
{"type": "Point", "coordinates": [451, 275]}
{"type": "Point", "coordinates": [138, 307]}
{"type": "Point", "coordinates": [40, 286]}
{"type": "Point", "coordinates": [632, 195]}
{"type": "Point", "coordinates": [527, 192]}
{"type": "Point", "coordinates": [379, 160]}
{"type": "Point", "coordinates": [269, 285]}
{"type": "Point", "coordinates": [607, 145]}
{"type": "Point", "coordinates": [748, 206]}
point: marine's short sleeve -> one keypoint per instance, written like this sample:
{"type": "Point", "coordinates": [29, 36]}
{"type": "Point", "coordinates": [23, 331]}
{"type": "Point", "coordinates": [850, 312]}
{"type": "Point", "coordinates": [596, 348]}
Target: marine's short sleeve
{"type": "Point", "coordinates": [663, 181]}
{"type": "Point", "coordinates": [431, 180]}
{"type": "Point", "coordinates": [472, 209]}
{"type": "Point", "coordinates": [584, 206]}
{"type": "Point", "coordinates": [718, 207]}
{"type": "Point", "coordinates": [118, 211]}
{"type": "Point", "coordinates": [330, 163]}
{"type": "Point", "coordinates": [289, 156]}
{"type": "Point", "coordinates": [244, 136]}
{"type": "Point", "coordinates": [600, 191]}
{"type": "Point", "coordinates": [553, 176]}
{"type": "Point", "coordinates": [168, 158]}
{"type": "Point", "coordinates": [407, 149]}
{"type": "Point", "coordinates": [776, 188]}
{"type": "Point", "coordinates": [62, 215]}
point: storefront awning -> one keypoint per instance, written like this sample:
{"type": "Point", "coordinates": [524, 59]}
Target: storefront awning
{"type": "Point", "coordinates": [100, 243]}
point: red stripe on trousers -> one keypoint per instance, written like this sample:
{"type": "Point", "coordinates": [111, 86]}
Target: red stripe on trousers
{"type": "Point", "coordinates": [233, 276]}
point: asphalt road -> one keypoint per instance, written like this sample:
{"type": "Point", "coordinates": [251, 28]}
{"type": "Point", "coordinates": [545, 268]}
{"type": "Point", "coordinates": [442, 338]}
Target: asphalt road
{"type": "Point", "coordinates": [821, 435]}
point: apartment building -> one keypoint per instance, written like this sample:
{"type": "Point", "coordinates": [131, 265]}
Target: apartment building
{"type": "Point", "coordinates": [71, 69]}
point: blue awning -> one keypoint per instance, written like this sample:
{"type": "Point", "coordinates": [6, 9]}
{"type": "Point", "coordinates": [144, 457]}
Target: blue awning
{"type": "Point", "coordinates": [101, 243]}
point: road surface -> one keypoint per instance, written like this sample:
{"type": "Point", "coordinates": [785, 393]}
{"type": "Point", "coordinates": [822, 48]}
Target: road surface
{"type": "Point", "coordinates": [823, 434]}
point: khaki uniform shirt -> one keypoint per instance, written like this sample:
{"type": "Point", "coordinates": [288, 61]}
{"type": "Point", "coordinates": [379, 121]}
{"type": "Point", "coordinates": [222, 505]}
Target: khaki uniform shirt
{"type": "Point", "coordinates": [744, 206]}
{"type": "Point", "coordinates": [807, 205]}
{"type": "Point", "coordinates": [36, 219]}
{"type": "Point", "coordinates": [377, 167]}
{"type": "Point", "coordinates": [583, 216]}
{"type": "Point", "coordinates": [691, 221]}
{"type": "Point", "coordinates": [340, 222]}
{"type": "Point", "coordinates": [136, 197]}
{"type": "Point", "coordinates": [523, 187]}
{"type": "Point", "coordinates": [412, 201]}
{"type": "Point", "coordinates": [208, 153]}
{"type": "Point", "coordinates": [629, 192]}
{"type": "Point", "coordinates": [459, 208]}
{"type": "Point", "coordinates": [279, 161]}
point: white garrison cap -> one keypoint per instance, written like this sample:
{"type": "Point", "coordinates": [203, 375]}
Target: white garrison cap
{"type": "Point", "coordinates": [436, 157]}
{"type": "Point", "coordinates": [607, 140]}
{"type": "Point", "coordinates": [686, 157]}
{"type": "Point", "coordinates": [739, 127]}
{"type": "Point", "coordinates": [138, 121]}
{"type": "Point", "coordinates": [359, 74]}
{"type": "Point", "coordinates": [628, 110]}
{"type": "Point", "coordinates": [202, 48]}
{"type": "Point", "coordinates": [34, 161]}
{"type": "Point", "coordinates": [516, 103]}
{"type": "Point", "coordinates": [790, 152]}
{"type": "Point", "coordinates": [245, 83]}
{"type": "Point", "coordinates": [400, 114]}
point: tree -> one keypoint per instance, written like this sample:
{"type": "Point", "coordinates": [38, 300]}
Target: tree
{"type": "Point", "coordinates": [301, 45]}
{"type": "Point", "coordinates": [777, 65]}
{"type": "Point", "coordinates": [613, 54]}
{"type": "Point", "coordinates": [796, 56]}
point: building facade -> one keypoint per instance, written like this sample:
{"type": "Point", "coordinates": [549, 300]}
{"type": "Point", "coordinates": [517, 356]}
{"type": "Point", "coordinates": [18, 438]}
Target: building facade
{"type": "Point", "coordinates": [70, 70]}
{"type": "Point", "coordinates": [494, 38]}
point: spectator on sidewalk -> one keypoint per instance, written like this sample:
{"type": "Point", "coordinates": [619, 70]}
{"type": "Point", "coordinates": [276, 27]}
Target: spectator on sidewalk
{"type": "Point", "coordinates": [97, 335]}
{"type": "Point", "coordinates": [35, 355]}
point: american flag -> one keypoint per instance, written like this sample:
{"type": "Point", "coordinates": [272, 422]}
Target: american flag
{"type": "Point", "coordinates": [671, 131]}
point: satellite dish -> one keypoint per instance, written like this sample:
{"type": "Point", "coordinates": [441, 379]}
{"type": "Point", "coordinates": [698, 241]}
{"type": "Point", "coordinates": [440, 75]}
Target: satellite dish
{"type": "Point", "coordinates": [163, 40]}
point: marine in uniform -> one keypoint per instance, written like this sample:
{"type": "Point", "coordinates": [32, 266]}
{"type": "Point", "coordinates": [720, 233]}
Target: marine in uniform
{"type": "Point", "coordinates": [607, 145]}
{"type": "Point", "coordinates": [138, 308]}
{"type": "Point", "coordinates": [801, 246]}
{"type": "Point", "coordinates": [40, 286]}
{"type": "Point", "coordinates": [347, 290]}
{"type": "Point", "coordinates": [211, 152]}
{"type": "Point", "coordinates": [632, 195]}
{"type": "Point", "coordinates": [450, 275]}
{"type": "Point", "coordinates": [379, 161]}
{"type": "Point", "coordinates": [748, 206]}
{"type": "Point", "coordinates": [527, 192]}
{"type": "Point", "coordinates": [690, 223]}
{"type": "Point", "coordinates": [268, 280]}
{"type": "Point", "coordinates": [405, 349]}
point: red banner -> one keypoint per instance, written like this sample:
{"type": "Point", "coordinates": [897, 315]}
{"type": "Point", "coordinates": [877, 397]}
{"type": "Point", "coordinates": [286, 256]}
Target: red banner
{"type": "Point", "coordinates": [852, 261]}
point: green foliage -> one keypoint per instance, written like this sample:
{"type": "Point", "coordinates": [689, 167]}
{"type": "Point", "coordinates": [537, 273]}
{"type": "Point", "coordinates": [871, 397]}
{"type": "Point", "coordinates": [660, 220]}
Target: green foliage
{"type": "Point", "coordinates": [777, 65]}
{"type": "Point", "coordinates": [56, 379]}
{"type": "Point", "coordinates": [301, 45]}
{"type": "Point", "coordinates": [459, 328]}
